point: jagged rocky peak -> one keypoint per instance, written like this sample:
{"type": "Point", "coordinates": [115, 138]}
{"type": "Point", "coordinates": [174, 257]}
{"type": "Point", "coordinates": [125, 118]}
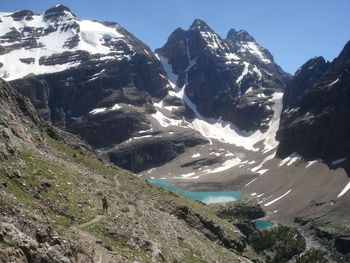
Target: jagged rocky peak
{"type": "Point", "coordinates": [344, 56]}
{"type": "Point", "coordinates": [200, 25]}
{"type": "Point", "coordinates": [57, 11]}
{"type": "Point", "coordinates": [312, 65]}
{"type": "Point", "coordinates": [315, 121]}
{"type": "Point", "coordinates": [23, 14]}
{"type": "Point", "coordinates": [224, 78]}
{"type": "Point", "coordinates": [241, 36]}
{"type": "Point", "coordinates": [177, 35]}
{"type": "Point", "coordinates": [245, 45]}
{"type": "Point", "coordinates": [304, 79]}
{"type": "Point", "coordinates": [201, 37]}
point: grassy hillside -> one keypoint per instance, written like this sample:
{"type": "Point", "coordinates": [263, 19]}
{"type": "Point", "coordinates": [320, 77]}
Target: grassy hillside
{"type": "Point", "coordinates": [59, 189]}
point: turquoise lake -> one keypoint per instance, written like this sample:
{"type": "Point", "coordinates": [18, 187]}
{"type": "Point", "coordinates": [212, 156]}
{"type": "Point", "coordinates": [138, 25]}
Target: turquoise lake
{"type": "Point", "coordinates": [205, 197]}
{"type": "Point", "coordinates": [264, 225]}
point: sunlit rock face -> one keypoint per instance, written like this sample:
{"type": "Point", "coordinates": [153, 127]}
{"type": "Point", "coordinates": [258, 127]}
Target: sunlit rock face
{"type": "Point", "coordinates": [97, 80]}
{"type": "Point", "coordinates": [232, 78]}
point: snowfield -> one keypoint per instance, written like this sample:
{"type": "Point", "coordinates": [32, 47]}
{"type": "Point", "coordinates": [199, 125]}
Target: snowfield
{"type": "Point", "coordinates": [92, 38]}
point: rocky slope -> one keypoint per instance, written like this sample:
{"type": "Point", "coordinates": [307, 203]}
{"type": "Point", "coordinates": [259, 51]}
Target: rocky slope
{"type": "Point", "coordinates": [51, 212]}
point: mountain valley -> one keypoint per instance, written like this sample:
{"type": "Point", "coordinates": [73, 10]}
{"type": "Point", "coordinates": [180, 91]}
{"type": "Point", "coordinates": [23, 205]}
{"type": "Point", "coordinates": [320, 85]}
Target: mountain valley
{"type": "Point", "coordinates": [203, 113]}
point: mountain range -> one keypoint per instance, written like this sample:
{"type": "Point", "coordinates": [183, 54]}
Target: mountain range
{"type": "Point", "coordinates": [205, 112]}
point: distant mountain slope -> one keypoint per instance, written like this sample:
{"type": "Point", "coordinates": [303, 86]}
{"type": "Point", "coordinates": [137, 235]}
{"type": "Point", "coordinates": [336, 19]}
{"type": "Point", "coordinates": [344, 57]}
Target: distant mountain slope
{"type": "Point", "coordinates": [57, 40]}
{"type": "Point", "coordinates": [315, 120]}
{"type": "Point", "coordinates": [74, 68]}
{"type": "Point", "coordinates": [99, 79]}
{"type": "Point", "coordinates": [231, 78]}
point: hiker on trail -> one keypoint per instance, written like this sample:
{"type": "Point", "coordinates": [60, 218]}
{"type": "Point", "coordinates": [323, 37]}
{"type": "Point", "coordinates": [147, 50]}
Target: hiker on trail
{"type": "Point", "coordinates": [105, 204]}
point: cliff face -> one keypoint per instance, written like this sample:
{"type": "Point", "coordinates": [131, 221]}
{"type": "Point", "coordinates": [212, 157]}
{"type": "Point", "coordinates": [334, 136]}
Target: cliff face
{"type": "Point", "coordinates": [19, 121]}
{"type": "Point", "coordinates": [315, 122]}
{"type": "Point", "coordinates": [71, 67]}
{"type": "Point", "coordinates": [231, 78]}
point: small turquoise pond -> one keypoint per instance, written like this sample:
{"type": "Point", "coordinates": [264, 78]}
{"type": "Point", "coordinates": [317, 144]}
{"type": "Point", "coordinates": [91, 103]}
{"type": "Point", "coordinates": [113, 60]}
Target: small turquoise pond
{"type": "Point", "coordinates": [205, 197]}
{"type": "Point", "coordinates": [264, 225]}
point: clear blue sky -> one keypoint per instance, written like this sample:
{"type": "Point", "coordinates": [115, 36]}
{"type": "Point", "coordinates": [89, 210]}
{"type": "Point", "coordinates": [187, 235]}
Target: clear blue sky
{"type": "Point", "coordinates": [293, 30]}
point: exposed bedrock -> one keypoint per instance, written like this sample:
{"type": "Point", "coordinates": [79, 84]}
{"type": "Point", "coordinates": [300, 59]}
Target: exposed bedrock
{"type": "Point", "coordinates": [138, 155]}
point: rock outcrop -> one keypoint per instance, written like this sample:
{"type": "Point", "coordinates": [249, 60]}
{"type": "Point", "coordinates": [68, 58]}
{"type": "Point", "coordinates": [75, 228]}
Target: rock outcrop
{"type": "Point", "coordinates": [144, 153]}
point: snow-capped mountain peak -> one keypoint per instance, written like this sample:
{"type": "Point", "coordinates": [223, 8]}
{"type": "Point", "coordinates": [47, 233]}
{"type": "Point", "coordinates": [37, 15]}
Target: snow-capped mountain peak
{"type": "Point", "coordinates": [57, 12]}
{"type": "Point", "coordinates": [246, 46]}
{"type": "Point", "coordinates": [200, 57]}
{"type": "Point", "coordinates": [36, 43]}
{"type": "Point", "coordinates": [200, 25]}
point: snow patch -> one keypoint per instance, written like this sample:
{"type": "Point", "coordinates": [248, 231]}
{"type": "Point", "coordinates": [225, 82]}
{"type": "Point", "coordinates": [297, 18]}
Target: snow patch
{"type": "Point", "coordinates": [97, 110]}
{"type": "Point", "coordinates": [165, 121]}
{"type": "Point", "coordinates": [311, 163]}
{"type": "Point", "coordinates": [252, 181]}
{"type": "Point", "coordinates": [275, 200]}
{"type": "Point", "coordinates": [346, 188]}
{"type": "Point", "coordinates": [139, 137]}
{"type": "Point", "coordinates": [331, 84]}
{"type": "Point", "coordinates": [196, 155]}
{"type": "Point", "coordinates": [226, 165]}
{"type": "Point", "coordinates": [268, 158]}
{"type": "Point", "coordinates": [5, 14]}
{"type": "Point", "coordinates": [116, 107]}
{"type": "Point", "coordinates": [232, 56]}
{"type": "Point", "coordinates": [290, 159]}
{"type": "Point", "coordinates": [270, 141]}
{"type": "Point", "coordinates": [187, 175]}
{"type": "Point", "coordinates": [212, 39]}
{"type": "Point", "coordinates": [255, 50]}
{"type": "Point", "coordinates": [146, 131]}
{"type": "Point", "coordinates": [172, 77]}
{"type": "Point", "coordinates": [248, 90]}
{"type": "Point", "coordinates": [244, 72]}
{"type": "Point", "coordinates": [261, 172]}
{"type": "Point", "coordinates": [258, 72]}
{"type": "Point", "coordinates": [338, 161]}
{"type": "Point", "coordinates": [93, 35]}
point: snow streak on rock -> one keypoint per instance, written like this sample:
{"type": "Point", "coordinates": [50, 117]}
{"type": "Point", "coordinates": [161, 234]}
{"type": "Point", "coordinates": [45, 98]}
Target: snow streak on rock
{"type": "Point", "coordinates": [275, 200]}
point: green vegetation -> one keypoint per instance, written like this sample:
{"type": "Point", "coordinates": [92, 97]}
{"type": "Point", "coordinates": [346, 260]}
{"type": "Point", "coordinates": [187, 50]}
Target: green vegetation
{"type": "Point", "coordinates": [114, 243]}
{"type": "Point", "coordinates": [190, 255]}
{"type": "Point", "coordinates": [41, 183]}
{"type": "Point", "coordinates": [62, 187]}
{"type": "Point", "coordinates": [279, 244]}
{"type": "Point", "coordinates": [67, 153]}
